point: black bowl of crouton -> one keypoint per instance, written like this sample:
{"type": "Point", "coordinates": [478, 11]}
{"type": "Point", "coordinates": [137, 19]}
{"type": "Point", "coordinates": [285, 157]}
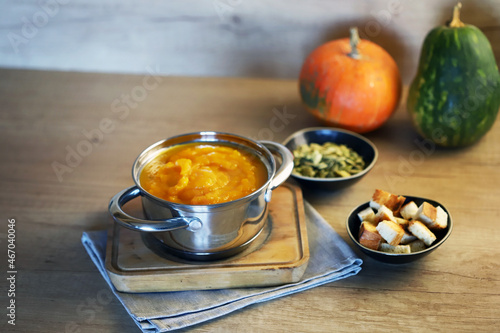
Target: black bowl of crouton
{"type": "Point", "coordinates": [330, 158]}
{"type": "Point", "coordinates": [398, 229]}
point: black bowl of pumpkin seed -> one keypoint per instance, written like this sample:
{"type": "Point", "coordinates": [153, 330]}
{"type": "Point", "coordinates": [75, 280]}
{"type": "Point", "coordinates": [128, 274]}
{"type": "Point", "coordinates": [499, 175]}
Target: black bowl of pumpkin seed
{"type": "Point", "coordinates": [330, 158]}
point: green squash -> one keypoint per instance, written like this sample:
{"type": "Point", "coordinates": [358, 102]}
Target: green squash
{"type": "Point", "coordinates": [455, 96]}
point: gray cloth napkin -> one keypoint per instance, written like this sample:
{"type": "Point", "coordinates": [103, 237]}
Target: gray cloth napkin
{"type": "Point", "coordinates": [331, 259]}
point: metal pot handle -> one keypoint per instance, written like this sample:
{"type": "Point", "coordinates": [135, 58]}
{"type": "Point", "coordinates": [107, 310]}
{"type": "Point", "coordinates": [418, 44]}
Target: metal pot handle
{"type": "Point", "coordinates": [121, 198]}
{"type": "Point", "coordinates": [286, 167]}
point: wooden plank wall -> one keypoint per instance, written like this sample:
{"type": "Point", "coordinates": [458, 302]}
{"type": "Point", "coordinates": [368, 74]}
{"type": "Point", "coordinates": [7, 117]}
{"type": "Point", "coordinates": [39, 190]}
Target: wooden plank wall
{"type": "Point", "coordinates": [252, 38]}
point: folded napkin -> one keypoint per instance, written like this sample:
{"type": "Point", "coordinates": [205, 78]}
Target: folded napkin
{"type": "Point", "coordinates": [331, 259]}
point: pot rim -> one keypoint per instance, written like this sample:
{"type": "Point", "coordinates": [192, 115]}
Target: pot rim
{"type": "Point", "coordinates": [154, 149]}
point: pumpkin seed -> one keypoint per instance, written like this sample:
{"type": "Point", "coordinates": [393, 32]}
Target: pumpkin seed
{"type": "Point", "coordinates": [328, 160]}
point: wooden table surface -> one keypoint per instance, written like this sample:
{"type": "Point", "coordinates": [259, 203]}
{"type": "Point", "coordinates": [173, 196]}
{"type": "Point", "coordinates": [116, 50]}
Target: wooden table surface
{"type": "Point", "coordinates": [109, 119]}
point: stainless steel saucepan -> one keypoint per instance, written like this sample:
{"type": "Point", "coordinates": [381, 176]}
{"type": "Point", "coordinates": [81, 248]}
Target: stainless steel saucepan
{"type": "Point", "coordinates": [203, 231]}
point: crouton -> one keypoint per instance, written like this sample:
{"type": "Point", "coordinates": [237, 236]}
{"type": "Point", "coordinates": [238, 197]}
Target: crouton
{"type": "Point", "coordinates": [367, 215]}
{"type": "Point", "coordinates": [407, 238]}
{"type": "Point", "coordinates": [420, 230]}
{"type": "Point", "coordinates": [409, 211]}
{"type": "Point", "coordinates": [384, 214]}
{"type": "Point", "coordinates": [383, 198]}
{"type": "Point", "coordinates": [402, 222]}
{"type": "Point", "coordinates": [426, 213]}
{"type": "Point", "coordinates": [441, 221]}
{"type": "Point", "coordinates": [434, 218]}
{"type": "Point", "coordinates": [417, 245]}
{"type": "Point", "coordinates": [390, 231]}
{"type": "Point", "coordinates": [385, 247]}
{"type": "Point", "coordinates": [378, 198]}
{"type": "Point", "coordinates": [369, 236]}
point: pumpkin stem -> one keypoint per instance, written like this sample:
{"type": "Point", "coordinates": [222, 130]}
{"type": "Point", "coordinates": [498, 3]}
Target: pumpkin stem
{"type": "Point", "coordinates": [354, 41]}
{"type": "Point", "coordinates": [455, 21]}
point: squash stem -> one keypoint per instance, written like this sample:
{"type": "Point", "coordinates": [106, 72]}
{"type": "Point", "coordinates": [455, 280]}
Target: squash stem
{"type": "Point", "coordinates": [455, 21]}
{"type": "Point", "coordinates": [354, 41]}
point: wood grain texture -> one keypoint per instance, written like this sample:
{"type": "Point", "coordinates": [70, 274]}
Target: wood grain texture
{"type": "Point", "coordinates": [259, 38]}
{"type": "Point", "coordinates": [46, 114]}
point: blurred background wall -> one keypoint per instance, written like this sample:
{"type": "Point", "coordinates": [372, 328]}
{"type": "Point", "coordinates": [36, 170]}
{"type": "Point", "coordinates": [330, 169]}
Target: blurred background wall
{"type": "Point", "coordinates": [251, 38]}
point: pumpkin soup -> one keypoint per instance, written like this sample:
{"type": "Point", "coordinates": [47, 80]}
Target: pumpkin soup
{"type": "Point", "coordinates": [203, 174]}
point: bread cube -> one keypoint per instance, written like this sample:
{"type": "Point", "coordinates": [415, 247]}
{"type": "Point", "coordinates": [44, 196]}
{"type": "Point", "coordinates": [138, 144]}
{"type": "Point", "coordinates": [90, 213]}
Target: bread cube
{"type": "Point", "coordinates": [367, 215]}
{"type": "Point", "coordinates": [383, 198]}
{"type": "Point", "coordinates": [407, 238]}
{"type": "Point", "coordinates": [420, 230]}
{"type": "Point", "coordinates": [369, 236]}
{"type": "Point", "coordinates": [441, 221]}
{"type": "Point", "coordinates": [417, 245]}
{"type": "Point", "coordinates": [384, 214]}
{"type": "Point", "coordinates": [391, 232]}
{"type": "Point", "coordinates": [388, 248]}
{"type": "Point", "coordinates": [434, 218]}
{"type": "Point", "coordinates": [426, 213]}
{"type": "Point", "coordinates": [409, 211]}
{"type": "Point", "coordinates": [402, 222]}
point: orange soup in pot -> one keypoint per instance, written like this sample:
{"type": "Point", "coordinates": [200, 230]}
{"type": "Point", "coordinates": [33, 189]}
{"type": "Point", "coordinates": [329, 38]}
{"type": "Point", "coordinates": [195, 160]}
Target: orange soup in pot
{"type": "Point", "coordinates": [203, 174]}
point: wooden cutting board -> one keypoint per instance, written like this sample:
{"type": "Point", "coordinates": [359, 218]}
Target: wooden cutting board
{"type": "Point", "coordinates": [278, 256]}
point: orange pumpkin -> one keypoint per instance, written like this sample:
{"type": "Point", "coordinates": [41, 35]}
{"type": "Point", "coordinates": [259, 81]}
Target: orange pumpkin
{"type": "Point", "coordinates": [350, 83]}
